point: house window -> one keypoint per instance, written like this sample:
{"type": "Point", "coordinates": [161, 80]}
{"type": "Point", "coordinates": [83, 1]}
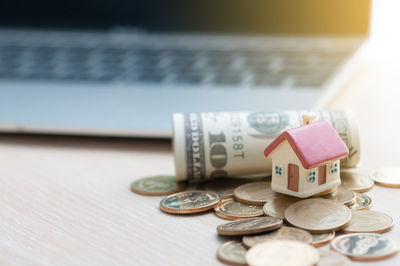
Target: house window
{"type": "Point", "coordinates": [311, 176]}
{"type": "Point", "coordinates": [278, 170]}
{"type": "Point", "coordinates": [333, 168]}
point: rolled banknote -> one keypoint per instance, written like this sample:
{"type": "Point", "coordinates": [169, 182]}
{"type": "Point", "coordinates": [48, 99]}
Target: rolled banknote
{"type": "Point", "coordinates": [231, 144]}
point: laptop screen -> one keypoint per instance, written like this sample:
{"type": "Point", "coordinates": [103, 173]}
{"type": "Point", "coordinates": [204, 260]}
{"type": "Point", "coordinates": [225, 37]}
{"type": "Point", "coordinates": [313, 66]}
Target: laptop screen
{"type": "Point", "coordinates": [332, 17]}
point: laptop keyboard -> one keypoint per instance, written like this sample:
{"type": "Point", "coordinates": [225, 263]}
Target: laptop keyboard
{"type": "Point", "coordinates": [240, 68]}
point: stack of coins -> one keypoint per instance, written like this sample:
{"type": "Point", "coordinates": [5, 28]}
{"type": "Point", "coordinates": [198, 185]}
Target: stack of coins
{"type": "Point", "coordinates": [270, 223]}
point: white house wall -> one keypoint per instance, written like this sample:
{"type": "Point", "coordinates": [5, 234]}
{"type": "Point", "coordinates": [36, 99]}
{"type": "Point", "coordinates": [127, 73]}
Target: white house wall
{"type": "Point", "coordinates": [332, 179]}
{"type": "Point", "coordinates": [282, 156]}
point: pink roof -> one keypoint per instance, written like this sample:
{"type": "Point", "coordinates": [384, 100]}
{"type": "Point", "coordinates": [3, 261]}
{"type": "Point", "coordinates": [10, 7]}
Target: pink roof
{"type": "Point", "coordinates": [314, 144]}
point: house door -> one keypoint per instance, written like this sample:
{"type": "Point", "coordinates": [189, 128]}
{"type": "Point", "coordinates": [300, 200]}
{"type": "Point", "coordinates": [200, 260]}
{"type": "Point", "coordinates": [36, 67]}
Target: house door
{"type": "Point", "coordinates": [293, 177]}
{"type": "Point", "coordinates": [322, 175]}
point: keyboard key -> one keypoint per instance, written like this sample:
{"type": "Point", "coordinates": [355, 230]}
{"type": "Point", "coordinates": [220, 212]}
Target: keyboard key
{"type": "Point", "coordinates": [303, 71]}
{"type": "Point", "coordinates": [265, 80]}
{"type": "Point", "coordinates": [9, 63]}
{"type": "Point", "coordinates": [8, 73]}
{"type": "Point", "coordinates": [190, 79]}
{"type": "Point", "coordinates": [228, 79]}
{"type": "Point", "coordinates": [313, 82]}
{"type": "Point", "coordinates": [39, 75]}
{"type": "Point", "coordinates": [150, 77]}
{"type": "Point", "coordinates": [114, 57]}
{"type": "Point", "coordinates": [305, 67]}
{"type": "Point", "coordinates": [181, 54]}
{"type": "Point", "coordinates": [181, 67]}
{"type": "Point", "coordinates": [43, 53]}
{"type": "Point", "coordinates": [10, 51]}
{"type": "Point", "coordinates": [220, 61]}
{"type": "Point", "coordinates": [76, 76]}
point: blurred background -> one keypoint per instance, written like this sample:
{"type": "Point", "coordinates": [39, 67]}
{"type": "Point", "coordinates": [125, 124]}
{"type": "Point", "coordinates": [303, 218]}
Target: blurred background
{"type": "Point", "coordinates": [66, 196]}
{"type": "Point", "coordinates": [121, 68]}
{"type": "Point", "coordinates": [384, 38]}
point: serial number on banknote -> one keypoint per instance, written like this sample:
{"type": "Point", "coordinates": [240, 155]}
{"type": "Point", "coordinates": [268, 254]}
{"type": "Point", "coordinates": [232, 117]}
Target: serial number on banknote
{"type": "Point", "coordinates": [237, 136]}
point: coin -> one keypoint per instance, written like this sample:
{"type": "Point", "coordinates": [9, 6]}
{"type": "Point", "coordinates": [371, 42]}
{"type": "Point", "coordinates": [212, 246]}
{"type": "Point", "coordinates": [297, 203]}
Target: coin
{"type": "Point", "coordinates": [233, 210]}
{"type": "Point", "coordinates": [318, 215]}
{"type": "Point", "coordinates": [369, 222]}
{"type": "Point", "coordinates": [365, 247]}
{"type": "Point", "coordinates": [249, 226]}
{"type": "Point", "coordinates": [332, 258]}
{"type": "Point", "coordinates": [254, 193]}
{"type": "Point", "coordinates": [322, 239]}
{"type": "Point", "coordinates": [189, 202]}
{"type": "Point", "coordinates": [277, 206]}
{"type": "Point", "coordinates": [331, 191]}
{"type": "Point", "coordinates": [283, 233]}
{"type": "Point", "coordinates": [356, 182]}
{"type": "Point", "coordinates": [224, 187]}
{"type": "Point", "coordinates": [363, 202]}
{"type": "Point", "coordinates": [232, 252]}
{"type": "Point", "coordinates": [157, 185]}
{"type": "Point", "coordinates": [282, 253]}
{"type": "Point", "coordinates": [344, 196]}
{"type": "Point", "coordinates": [389, 176]}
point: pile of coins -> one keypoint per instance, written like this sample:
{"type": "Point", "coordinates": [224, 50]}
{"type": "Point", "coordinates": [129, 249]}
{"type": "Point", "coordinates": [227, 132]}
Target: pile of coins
{"type": "Point", "coordinates": [270, 223]}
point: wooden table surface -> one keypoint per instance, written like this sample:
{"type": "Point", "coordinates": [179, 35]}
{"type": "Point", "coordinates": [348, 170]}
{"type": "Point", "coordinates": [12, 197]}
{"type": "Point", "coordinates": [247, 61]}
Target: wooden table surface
{"type": "Point", "coordinates": [66, 200]}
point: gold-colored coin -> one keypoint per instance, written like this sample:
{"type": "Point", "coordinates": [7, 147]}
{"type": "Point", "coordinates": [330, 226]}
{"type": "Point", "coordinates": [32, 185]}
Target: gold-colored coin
{"type": "Point", "coordinates": [232, 252]}
{"type": "Point", "coordinates": [318, 215]}
{"type": "Point", "coordinates": [255, 193]}
{"type": "Point", "coordinates": [365, 247]}
{"type": "Point", "coordinates": [389, 176]}
{"type": "Point", "coordinates": [277, 206]}
{"type": "Point", "coordinates": [189, 202]}
{"type": "Point", "coordinates": [233, 210]}
{"type": "Point", "coordinates": [363, 202]}
{"type": "Point", "coordinates": [283, 233]}
{"type": "Point", "coordinates": [356, 182]}
{"type": "Point", "coordinates": [249, 226]}
{"type": "Point", "coordinates": [331, 191]}
{"type": "Point", "coordinates": [322, 239]}
{"type": "Point", "coordinates": [344, 196]}
{"type": "Point", "coordinates": [224, 187]}
{"type": "Point", "coordinates": [157, 185]}
{"type": "Point", "coordinates": [369, 222]}
{"type": "Point", "coordinates": [283, 253]}
{"type": "Point", "coordinates": [332, 258]}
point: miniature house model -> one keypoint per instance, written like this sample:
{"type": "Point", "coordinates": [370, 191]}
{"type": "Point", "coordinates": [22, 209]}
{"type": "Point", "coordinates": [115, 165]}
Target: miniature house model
{"type": "Point", "coordinates": [305, 160]}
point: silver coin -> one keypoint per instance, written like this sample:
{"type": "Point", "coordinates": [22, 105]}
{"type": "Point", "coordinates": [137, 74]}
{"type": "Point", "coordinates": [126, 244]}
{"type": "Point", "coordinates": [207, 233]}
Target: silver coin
{"type": "Point", "coordinates": [332, 258]}
{"type": "Point", "coordinates": [365, 246]}
{"type": "Point", "coordinates": [232, 210]}
{"type": "Point", "coordinates": [255, 193]}
{"type": "Point", "coordinates": [189, 202]}
{"type": "Point", "coordinates": [363, 202]}
{"type": "Point", "coordinates": [157, 185]}
{"type": "Point", "coordinates": [369, 222]}
{"type": "Point", "coordinates": [343, 195]}
{"type": "Point", "coordinates": [232, 252]}
{"type": "Point", "coordinates": [388, 176]}
{"type": "Point", "coordinates": [356, 182]}
{"type": "Point", "coordinates": [318, 215]}
{"type": "Point", "coordinates": [283, 233]}
{"type": "Point", "coordinates": [224, 187]}
{"type": "Point", "coordinates": [249, 226]}
{"type": "Point", "coordinates": [282, 252]}
{"type": "Point", "coordinates": [322, 239]}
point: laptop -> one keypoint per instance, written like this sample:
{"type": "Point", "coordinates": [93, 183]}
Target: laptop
{"type": "Point", "coordinates": [122, 67]}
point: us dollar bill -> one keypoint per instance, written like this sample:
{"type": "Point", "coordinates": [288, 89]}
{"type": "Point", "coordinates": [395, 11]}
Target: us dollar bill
{"type": "Point", "coordinates": [231, 144]}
